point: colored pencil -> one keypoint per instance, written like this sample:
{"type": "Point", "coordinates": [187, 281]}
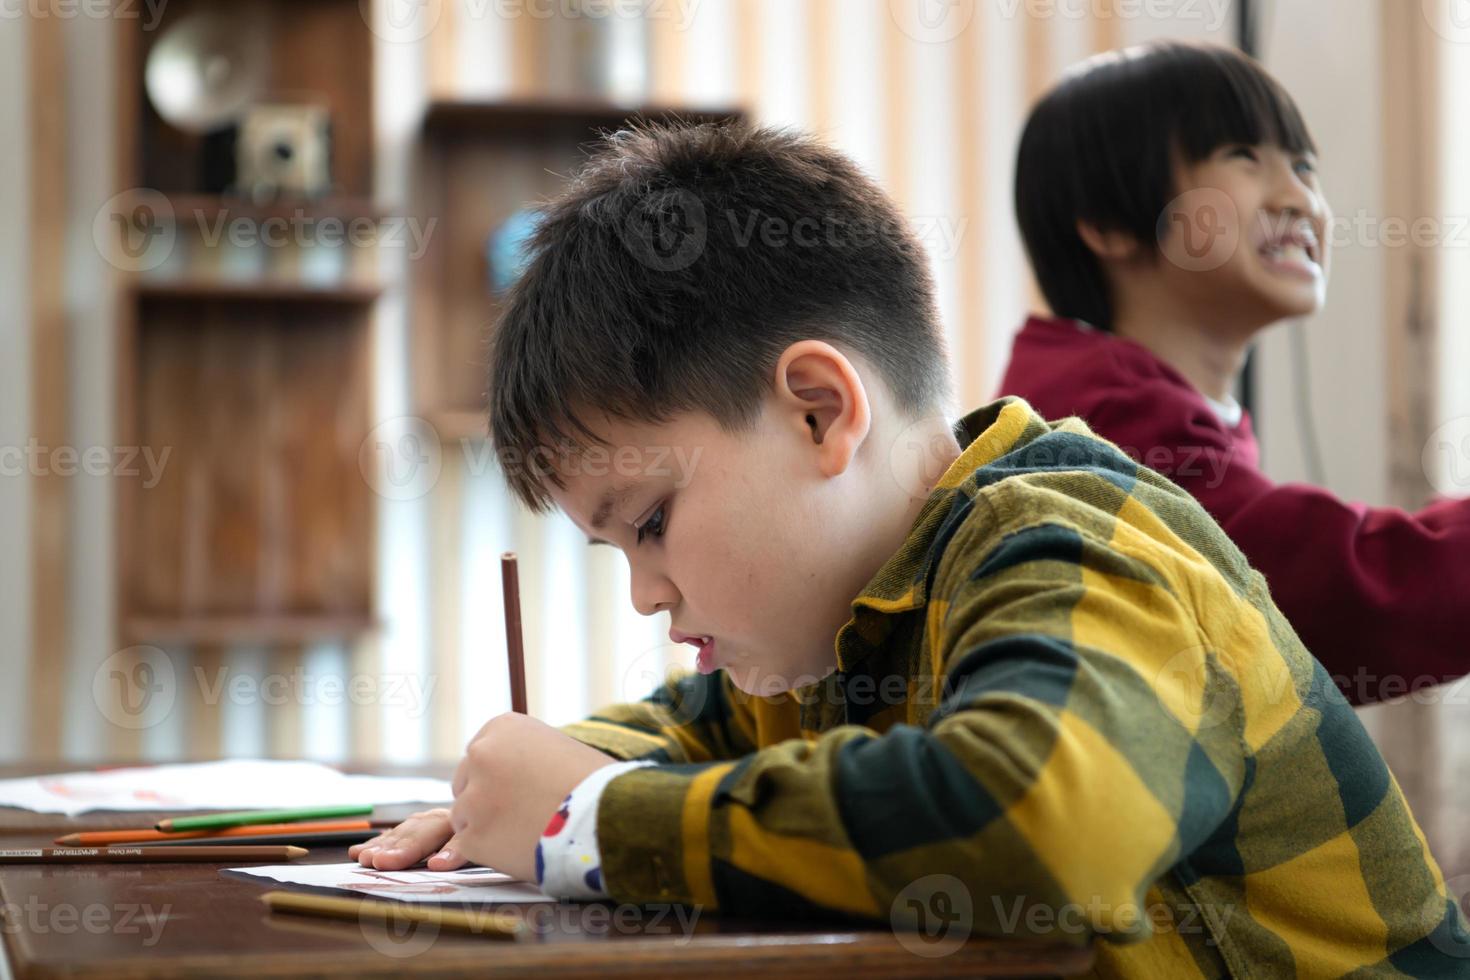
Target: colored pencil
{"type": "Point", "coordinates": [510, 584]}
{"type": "Point", "coordinates": [220, 821]}
{"type": "Point", "coordinates": [496, 925]}
{"type": "Point", "coordinates": [101, 838]}
{"type": "Point", "coordinates": [158, 855]}
{"type": "Point", "coordinates": [325, 838]}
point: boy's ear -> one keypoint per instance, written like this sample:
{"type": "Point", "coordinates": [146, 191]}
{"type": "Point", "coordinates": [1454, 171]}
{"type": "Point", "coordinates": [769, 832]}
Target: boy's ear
{"type": "Point", "coordinates": [820, 392]}
{"type": "Point", "coordinates": [1110, 246]}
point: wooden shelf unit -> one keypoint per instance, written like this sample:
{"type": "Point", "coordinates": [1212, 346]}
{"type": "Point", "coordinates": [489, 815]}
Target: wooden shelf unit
{"type": "Point", "coordinates": [260, 528]}
{"type": "Point", "coordinates": [215, 631]}
{"type": "Point", "coordinates": [478, 163]}
{"type": "Point", "coordinates": [320, 51]}
{"type": "Point", "coordinates": [258, 290]}
{"type": "Point", "coordinates": [343, 207]}
{"type": "Point", "coordinates": [531, 119]}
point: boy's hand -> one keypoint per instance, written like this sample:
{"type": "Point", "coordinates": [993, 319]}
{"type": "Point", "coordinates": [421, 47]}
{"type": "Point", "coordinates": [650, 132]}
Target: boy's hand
{"type": "Point", "coordinates": [513, 777]}
{"type": "Point", "coordinates": [427, 834]}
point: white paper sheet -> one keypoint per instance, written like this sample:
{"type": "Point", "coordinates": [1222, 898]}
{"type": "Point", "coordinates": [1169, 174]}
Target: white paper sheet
{"type": "Point", "coordinates": [471, 886]}
{"type": "Point", "coordinates": [235, 784]}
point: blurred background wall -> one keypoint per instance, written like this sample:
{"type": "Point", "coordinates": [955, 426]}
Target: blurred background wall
{"type": "Point", "coordinates": [930, 105]}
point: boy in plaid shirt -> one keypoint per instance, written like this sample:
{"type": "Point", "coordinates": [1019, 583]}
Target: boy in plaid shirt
{"type": "Point", "coordinates": [996, 649]}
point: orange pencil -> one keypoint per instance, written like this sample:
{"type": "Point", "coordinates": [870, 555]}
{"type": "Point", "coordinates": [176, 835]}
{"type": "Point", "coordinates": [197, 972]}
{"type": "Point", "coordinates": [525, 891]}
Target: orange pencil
{"type": "Point", "coordinates": [101, 838]}
{"type": "Point", "coordinates": [515, 652]}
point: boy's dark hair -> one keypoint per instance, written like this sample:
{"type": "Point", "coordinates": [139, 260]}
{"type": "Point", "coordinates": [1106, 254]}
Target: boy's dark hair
{"type": "Point", "coordinates": [1102, 146]}
{"type": "Point", "coordinates": [678, 265]}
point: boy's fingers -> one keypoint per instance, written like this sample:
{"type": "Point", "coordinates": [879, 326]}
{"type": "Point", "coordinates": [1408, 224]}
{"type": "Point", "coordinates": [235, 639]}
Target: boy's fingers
{"type": "Point", "coordinates": [395, 859]}
{"type": "Point", "coordinates": [388, 840]}
{"type": "Point", "coordinates": [357, 849]}
{"type": "Point", "coordinates": [407, 844]}
{"type": "Point", "coordinates": [448, 857]}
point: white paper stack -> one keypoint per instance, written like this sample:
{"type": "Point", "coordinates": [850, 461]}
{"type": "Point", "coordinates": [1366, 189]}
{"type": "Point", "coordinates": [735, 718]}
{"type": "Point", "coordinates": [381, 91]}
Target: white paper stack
{"type": "Point", "coordinates": [236, 784]}
{"type": "Point", "coordinates": [465, 886]}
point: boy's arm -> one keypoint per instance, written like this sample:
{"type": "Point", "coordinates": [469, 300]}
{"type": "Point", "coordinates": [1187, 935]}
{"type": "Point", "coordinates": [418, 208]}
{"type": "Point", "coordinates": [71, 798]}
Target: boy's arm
{"type": "Point", "coordinates": [1053, 771]}
{"type": "Point", "coordinates": [1376, 593]}
{"type": "Point", "coordinates": [689, 718]}
{"type": "Point", "coordinates": [1396, 580]}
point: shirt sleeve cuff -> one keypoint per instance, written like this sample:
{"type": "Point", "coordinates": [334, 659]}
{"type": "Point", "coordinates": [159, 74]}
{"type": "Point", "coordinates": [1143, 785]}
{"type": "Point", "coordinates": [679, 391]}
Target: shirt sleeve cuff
{"type": "Point", "coordinates": [568, 862]}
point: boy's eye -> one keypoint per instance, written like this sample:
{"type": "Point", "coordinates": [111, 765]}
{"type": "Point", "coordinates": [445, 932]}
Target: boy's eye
{"type": "Point", "coordinates": [1305, 166]}
{"type": "Point", "coordinates": [655, 525]}
{"type": "Point", "coordinates": [1244, 153]}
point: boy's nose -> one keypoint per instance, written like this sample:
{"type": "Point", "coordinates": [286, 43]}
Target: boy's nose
{"type": "Point", "coordinates": [653, 594]}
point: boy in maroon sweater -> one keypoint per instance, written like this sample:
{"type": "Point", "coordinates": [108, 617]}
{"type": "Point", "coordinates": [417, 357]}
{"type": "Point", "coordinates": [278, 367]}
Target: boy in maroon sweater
{"type": "Point", "coordinates": [1170, 206]}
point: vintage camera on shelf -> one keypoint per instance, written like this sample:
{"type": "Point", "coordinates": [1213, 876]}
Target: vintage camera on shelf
{"type": "Point", "coordinates": [284, 151]}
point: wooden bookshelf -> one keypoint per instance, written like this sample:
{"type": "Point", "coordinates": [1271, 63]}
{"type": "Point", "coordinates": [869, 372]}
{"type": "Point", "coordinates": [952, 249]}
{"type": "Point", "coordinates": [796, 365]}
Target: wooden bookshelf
{"type": "Point", "coordinates": [225, 630]}
{"type": "Point", "coordinates": [319, 51]}
{"type": "Point", "coordinates": [478, 163]}
{"type": "Point", "coordinates": [260, 526]}
{"type": "Point", "coordinates": [345, 208]}
{"type": "Point", "coordinates": [258, 290]}
{"type": "Point", "coordinates": [535, 119]}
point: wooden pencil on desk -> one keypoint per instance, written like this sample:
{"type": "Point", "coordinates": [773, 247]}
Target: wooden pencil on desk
{"type": "Point", "coordinates": [101, 838]}
{"type": "Point", "coordinates": [322, 838]}
{"type": "Point", "coordinates": [146, 854]}
{"type": "Point", "coordinates": [496, 925]}
{"type": "Point", "coordinates": [515, 652]}
{"type": "Point", "coordinates": [222, 821]}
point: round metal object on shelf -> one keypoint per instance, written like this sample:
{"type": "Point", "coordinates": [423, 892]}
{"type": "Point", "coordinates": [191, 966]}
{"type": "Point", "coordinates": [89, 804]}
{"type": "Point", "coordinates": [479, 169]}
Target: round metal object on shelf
{"type": "Point", "coordinates": [209, 66]}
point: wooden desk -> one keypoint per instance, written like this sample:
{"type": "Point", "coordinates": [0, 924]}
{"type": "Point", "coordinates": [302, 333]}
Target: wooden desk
{"type": "Point", "coordinates": [188, 921]}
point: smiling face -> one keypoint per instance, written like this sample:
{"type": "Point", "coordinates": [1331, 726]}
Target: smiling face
{"type": "Point", "coordinates": [757, 540]}
{"type": "Point", "coordinates": [1263, 211]}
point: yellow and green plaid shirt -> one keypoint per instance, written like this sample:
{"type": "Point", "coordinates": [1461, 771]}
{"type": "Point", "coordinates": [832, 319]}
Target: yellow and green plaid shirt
{"type": "Point", "coordinates": [1070, 692]}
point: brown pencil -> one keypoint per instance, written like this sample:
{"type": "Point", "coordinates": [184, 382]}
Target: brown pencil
{"type": "Point", "coordinates": [101, 838]}
{"type": "Point", "coordinates": [495, 925]}
{"type": "Point", "coordinates": [515, 652]}
{"type": "Point", "coordinates": [156, 855]}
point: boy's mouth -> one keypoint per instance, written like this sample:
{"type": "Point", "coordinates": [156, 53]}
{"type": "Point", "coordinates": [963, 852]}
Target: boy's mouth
{"type": "Point", "coordinates": [705, 662]}
{"type": "Point", "coordinates": [1295, 251]}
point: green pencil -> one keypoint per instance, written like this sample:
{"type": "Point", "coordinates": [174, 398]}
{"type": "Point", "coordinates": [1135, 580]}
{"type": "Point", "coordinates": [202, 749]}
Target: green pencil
{"type": "Point", "coordinates": [219, 821]}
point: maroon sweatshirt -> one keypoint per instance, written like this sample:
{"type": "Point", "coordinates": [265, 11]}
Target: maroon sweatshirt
{"type": "Point", "coordinates": [1380, 596]}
